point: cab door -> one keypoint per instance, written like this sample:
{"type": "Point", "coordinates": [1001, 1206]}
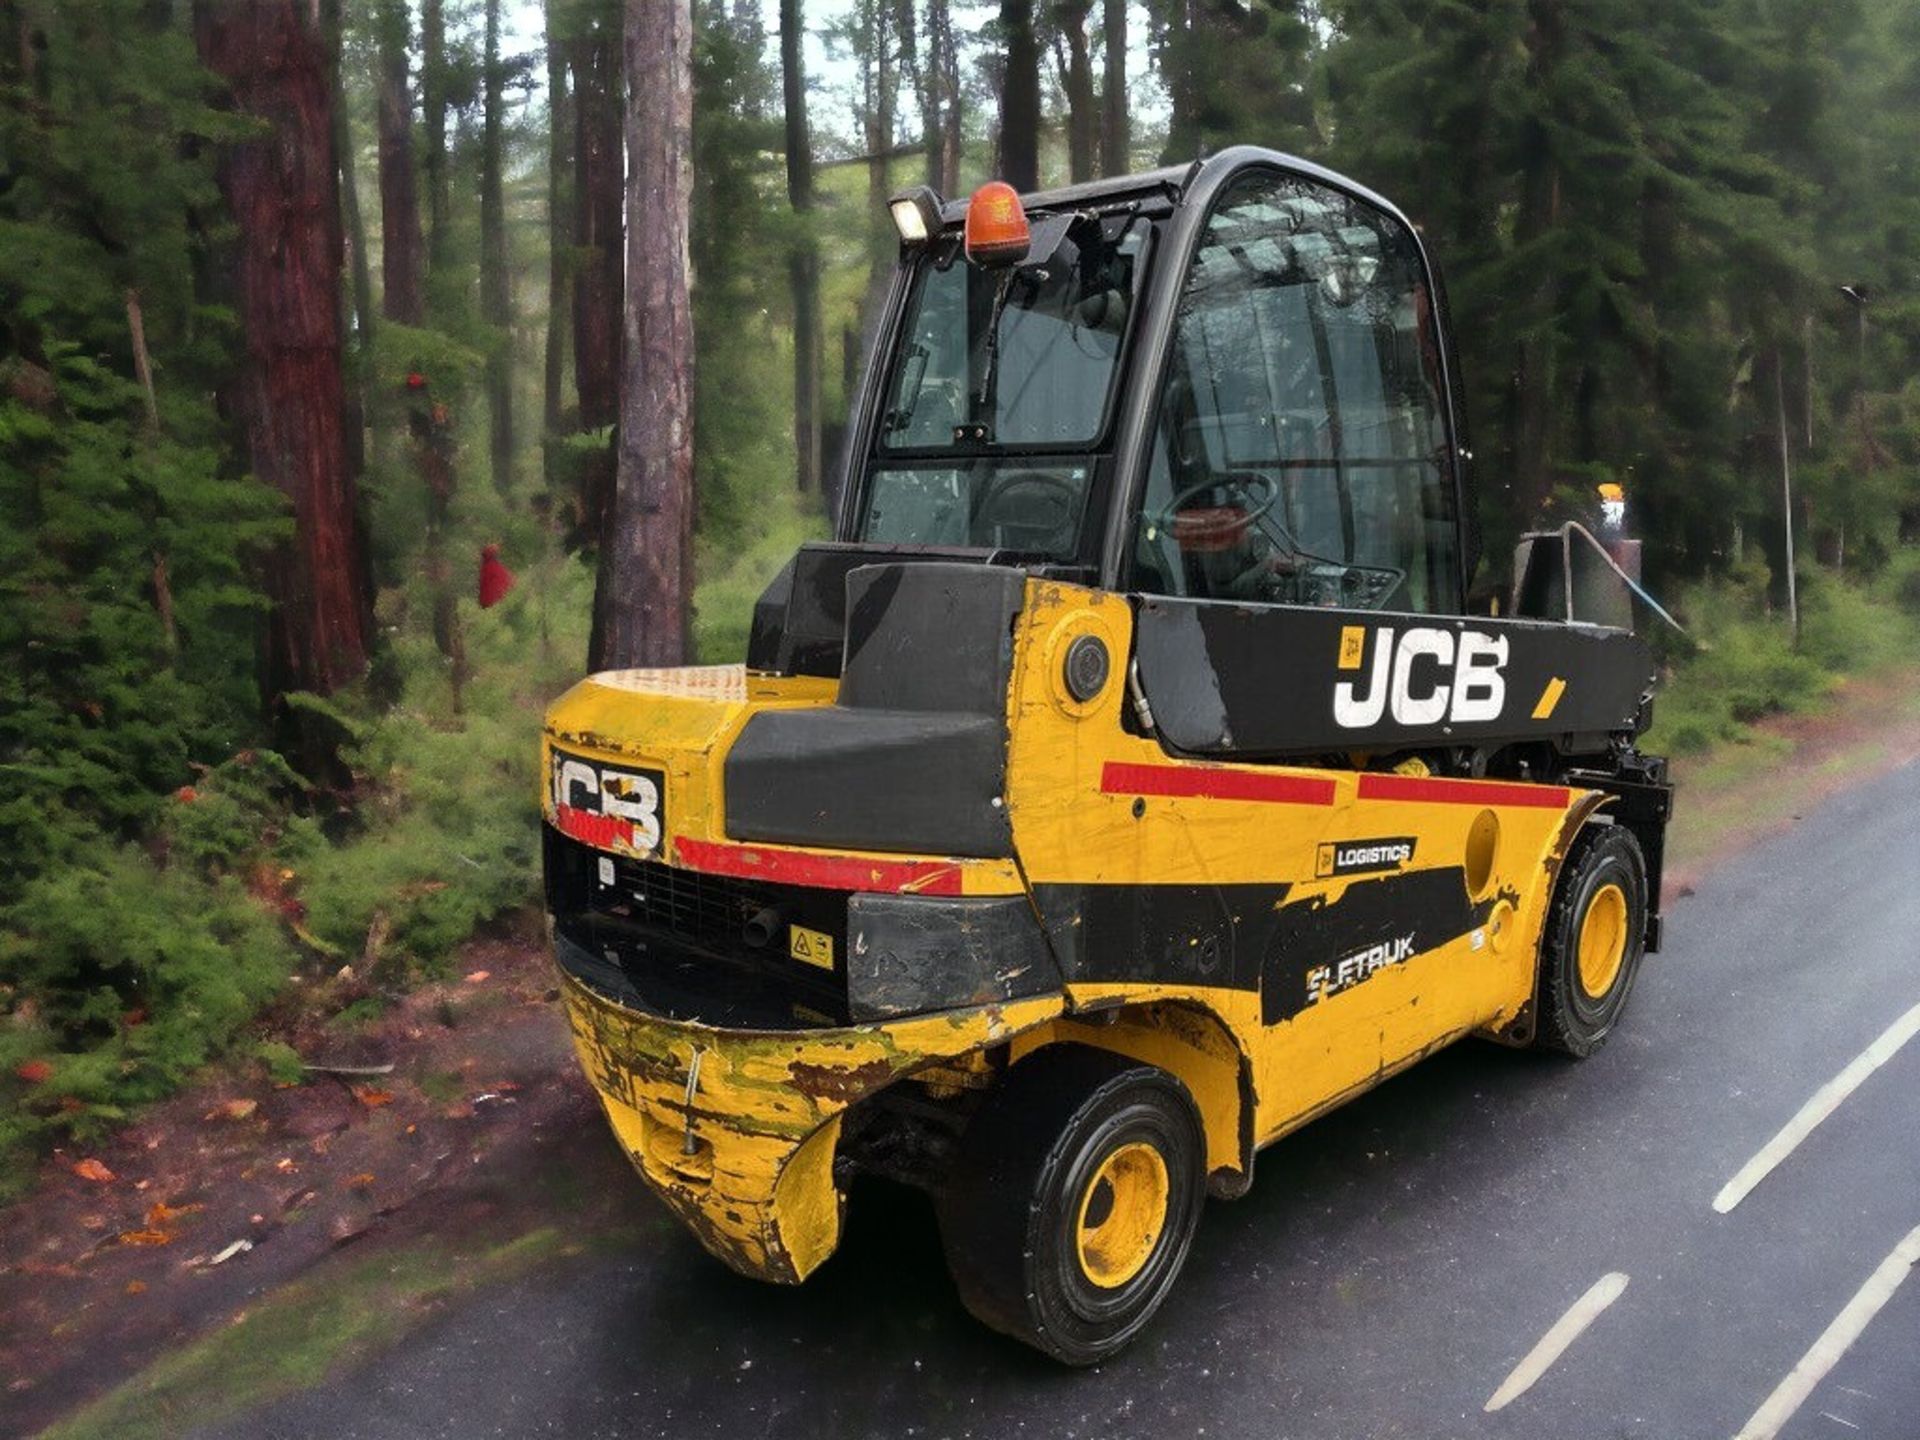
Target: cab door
{"type": "Point", "coordinates": [1299, 495]}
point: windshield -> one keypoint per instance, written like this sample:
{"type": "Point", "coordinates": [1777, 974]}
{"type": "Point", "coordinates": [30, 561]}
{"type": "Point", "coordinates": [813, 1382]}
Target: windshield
{"type": "Point", "coordinates": [1016, 357]}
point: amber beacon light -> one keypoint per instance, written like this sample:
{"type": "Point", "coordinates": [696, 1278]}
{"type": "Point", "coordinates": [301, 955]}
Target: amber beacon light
{"type": "Point", "coordinates": [997, 232]}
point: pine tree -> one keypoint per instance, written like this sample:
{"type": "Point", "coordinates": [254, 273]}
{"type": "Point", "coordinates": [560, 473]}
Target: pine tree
{"type": "Point", "coordinates": [402, 250]}
{"type": "Point", "coordinates": [1019, 154]}
{"type": "Point", "coordinates": [803, 259]}
{"type": "Point", "coordinates": [282, 190]}
{"type": "Point", "coordinates": [596, 77]}
{"type": "Point", "coordinates": [642, 598]}
{"type": "Point", "coordinates": [496, 294]}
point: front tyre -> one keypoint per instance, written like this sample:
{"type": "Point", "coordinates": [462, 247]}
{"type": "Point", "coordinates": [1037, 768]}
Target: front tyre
{"type": "Point", "coordinates": [1594, 938]}
{"type": "Point", "coordinates": [1074, 1200]}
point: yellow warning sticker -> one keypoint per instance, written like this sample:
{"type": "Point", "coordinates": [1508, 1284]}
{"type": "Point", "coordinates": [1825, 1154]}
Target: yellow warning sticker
{"type": "Point", "coordinates": [810, 946]}
{"type": "Point", "coordinates": [1353, 646]}
{"type": "Point", "coordinates": [1550, 699]}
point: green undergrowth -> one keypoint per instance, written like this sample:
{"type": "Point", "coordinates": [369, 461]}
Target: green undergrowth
{"type": "Point", "coordinates": [733, 574]}
{"type": "Point", "coordinates": [1745, 663]}
{"type": "Point", "coordinates": [146, 953]}
{"type": "Point", "coordinates": [151, 947]}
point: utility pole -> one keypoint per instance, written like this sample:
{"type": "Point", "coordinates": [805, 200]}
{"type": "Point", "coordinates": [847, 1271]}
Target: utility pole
{"type": "Point", "coordinates": [1786, 490]}
{"type": "Point", "coordinates": [1857, 296]}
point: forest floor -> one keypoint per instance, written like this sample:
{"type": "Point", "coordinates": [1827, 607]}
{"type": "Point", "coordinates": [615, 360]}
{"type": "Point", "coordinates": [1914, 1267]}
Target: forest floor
{"type": "Point", "coordinates": [242, 1239]}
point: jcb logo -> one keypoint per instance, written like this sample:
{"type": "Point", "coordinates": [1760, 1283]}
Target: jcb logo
{"type": "Point", "coordinates": [606, 805]}
{"type": "Point", "coordinates": [1461, 681]}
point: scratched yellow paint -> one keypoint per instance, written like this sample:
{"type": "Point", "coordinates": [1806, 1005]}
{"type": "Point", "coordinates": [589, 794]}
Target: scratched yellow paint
{"type": "Point", "coordinates": [757, 1186]}
{"type": "Point", "coordinates": [764, 1116]}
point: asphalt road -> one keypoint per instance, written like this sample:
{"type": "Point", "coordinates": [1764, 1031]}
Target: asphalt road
{"type": "Point", "coordinates": [1393, 1263]}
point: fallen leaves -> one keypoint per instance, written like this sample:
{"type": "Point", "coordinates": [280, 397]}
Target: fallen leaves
{"type": "Point", "coordinates": [136, 1287]}
{"type": "Point", "coordinates": [373, 1099]}
{"type": "Point", "coordinates": [146, 1237]}
{"type": "Point", "coordinates": [360, 1181]}
{"type": "Point", "coordinates": [479, 977]}
{"type": "Point", "coordinates": [34, 1072]}
{"type": "Point", "coordinates": [92, 1169]}
{"type": "Point", "coordinates": [233, 1110]}
{"type": "Point", "coordinates": [160, 1213]}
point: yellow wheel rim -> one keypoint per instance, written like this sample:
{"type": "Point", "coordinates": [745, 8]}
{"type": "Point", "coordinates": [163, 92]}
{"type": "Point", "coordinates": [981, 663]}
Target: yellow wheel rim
{"type": "Point", "coordinates": [1603, 940]}
{"type": "Point", "coordinates": [1122, 1214]}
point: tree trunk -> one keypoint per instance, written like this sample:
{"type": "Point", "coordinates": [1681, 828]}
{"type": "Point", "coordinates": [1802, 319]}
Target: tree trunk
{"type": "Point", "coordinates": [1115, 139]}
{"type": "Point", "coordinates": [402, 250]}
{"type": "Point", "coordinates": [142, 363]}
{"type": "Point", "coordinates": [943, 62]}
{"type": "Point", "coordinates": [496, 294]}
{"type": "Point", "coordinates": [597, 178]}
{"type": "Point", "coordinates": [360, 294]}
{"type": "Point", "coordinates": [641, 609]}
{"type": "Point", "coordinates": [916, 70]}
{"type": "Point", "coordinates": [1177, 63]}
{"type": "Point", "coordinates": [289, 397]}
{"type": "Point", "coordinates": [803, 260]}
{"type": "Point", "coordinates": [1536, 385]}
{"type": "Point", "coordinates": [559, 268]}
{"type": "Point", "coordinates": [363, 320]}
{"type": "Point", "coordinates": [882, 88]}
{"type": "Point", "coordinates": [433, 109]}
{"type": "Point", "coordinates": [1020, 98]}
{"type": "Point", "coordinates": [1083, 109]}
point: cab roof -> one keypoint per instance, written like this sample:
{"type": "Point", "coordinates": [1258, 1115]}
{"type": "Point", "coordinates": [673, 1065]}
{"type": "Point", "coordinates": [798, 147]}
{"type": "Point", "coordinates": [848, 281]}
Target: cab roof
{"type": "Point", "coordinates": [1171, 183]}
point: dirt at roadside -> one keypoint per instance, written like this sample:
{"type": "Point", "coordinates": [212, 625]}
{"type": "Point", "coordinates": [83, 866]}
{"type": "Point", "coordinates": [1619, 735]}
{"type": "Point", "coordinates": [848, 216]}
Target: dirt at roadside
{"type": "Point", "coordinates": [221, 1195]}
{"type": "Point", "coordinates": [1740, 794]}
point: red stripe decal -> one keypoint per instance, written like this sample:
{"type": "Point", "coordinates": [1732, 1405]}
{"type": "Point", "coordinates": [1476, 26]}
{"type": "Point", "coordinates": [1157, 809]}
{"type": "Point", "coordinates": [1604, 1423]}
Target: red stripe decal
{"type": "Point", "coordinates": [1428, 791]}
{"type": "Point", "coordinates": [603, 832]}
{"type": "Point", "coordinates": [823, 872]}
{"type": "Point", "coordinates": [1208, 782]}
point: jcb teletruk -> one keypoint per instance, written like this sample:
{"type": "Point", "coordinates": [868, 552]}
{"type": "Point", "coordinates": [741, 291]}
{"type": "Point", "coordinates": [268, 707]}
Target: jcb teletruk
{"type": "Point", "coordinates": [1128, 783]}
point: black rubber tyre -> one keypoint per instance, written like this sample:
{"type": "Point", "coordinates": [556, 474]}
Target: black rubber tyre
{"type": "Point", "coordinates": [1587, 970]}
{"type": "Point", "coordinates": [1021, 1216]}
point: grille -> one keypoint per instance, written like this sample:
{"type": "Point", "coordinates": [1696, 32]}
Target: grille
{"type": "Point", "coordinates": [674, 941]}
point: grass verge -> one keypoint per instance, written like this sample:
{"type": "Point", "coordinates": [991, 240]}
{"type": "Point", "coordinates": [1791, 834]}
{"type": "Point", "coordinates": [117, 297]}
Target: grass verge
{"type": "Point", "coordinates": [298, 1335]}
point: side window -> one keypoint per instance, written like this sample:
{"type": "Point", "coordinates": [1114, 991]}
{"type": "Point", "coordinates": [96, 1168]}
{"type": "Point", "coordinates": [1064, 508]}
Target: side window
{"type": "Point", "coordinates": [1300, 455]}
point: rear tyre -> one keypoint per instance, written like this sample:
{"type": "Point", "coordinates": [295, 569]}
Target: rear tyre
{"type": "Point", "coordinates": [1073, 1201]}
{"type": "Point", "coordinates": [1595, 935]}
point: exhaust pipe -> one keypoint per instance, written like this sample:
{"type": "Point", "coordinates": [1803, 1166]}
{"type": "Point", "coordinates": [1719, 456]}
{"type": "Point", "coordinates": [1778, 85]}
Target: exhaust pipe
{"type": "Point", "coordinates": [761, 929]}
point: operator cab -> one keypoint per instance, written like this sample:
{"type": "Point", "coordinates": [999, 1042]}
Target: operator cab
{"type": "Point", "coordinates": [1223, 382]}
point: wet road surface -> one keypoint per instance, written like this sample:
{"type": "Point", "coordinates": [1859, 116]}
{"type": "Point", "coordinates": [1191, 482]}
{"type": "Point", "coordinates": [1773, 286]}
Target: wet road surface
{"type": "Point", "coordinates": [1394, 1263]}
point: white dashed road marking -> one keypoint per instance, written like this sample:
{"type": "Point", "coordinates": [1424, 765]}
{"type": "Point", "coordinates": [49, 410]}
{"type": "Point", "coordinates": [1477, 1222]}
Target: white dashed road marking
{"type": "Point", "coordinates": [1824, 1102]}
{"type": "Point", "coordinates": [1565, 1331]}
{"type": "Point", "coordinates": [1793, 1391]}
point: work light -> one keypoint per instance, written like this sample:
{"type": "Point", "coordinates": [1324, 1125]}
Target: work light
{"type": "Point", "coordinates": [916, 214]}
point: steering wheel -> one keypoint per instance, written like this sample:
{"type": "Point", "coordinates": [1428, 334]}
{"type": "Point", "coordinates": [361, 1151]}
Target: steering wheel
{"type": "Point", "coordinates": [1063, 494]}
{"type": "Point", "coordinates": [1260, 494]}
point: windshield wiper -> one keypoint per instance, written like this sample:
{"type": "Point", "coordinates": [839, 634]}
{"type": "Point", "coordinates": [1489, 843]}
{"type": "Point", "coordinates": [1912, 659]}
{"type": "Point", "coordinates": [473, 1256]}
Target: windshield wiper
{"type": "Point", "coordinates": [976, 430]}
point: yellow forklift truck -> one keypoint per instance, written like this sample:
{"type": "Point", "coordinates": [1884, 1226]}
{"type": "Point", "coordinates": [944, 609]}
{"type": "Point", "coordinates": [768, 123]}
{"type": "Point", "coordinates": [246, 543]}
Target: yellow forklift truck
{"type": "Point", "coordinates": [1128, 783]}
